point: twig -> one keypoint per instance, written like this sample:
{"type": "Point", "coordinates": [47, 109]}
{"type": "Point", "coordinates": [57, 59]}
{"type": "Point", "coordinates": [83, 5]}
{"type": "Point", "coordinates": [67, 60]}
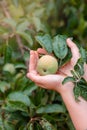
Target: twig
{"type": "Point", "coordinates": [26, 48]}
{"type": "Point", "coordinates": [5, 9]}
{"type": "Point", "coordinates": [20, 44]}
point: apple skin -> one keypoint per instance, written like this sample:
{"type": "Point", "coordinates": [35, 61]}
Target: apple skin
{"type": "Point", "coordinates": [47, 65]}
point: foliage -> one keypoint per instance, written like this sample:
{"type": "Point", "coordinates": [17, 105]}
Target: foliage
{"type": "Point", "coordinates": [23, 105]}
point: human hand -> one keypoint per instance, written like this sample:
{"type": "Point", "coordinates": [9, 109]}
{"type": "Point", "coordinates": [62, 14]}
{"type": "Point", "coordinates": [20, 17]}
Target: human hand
{"type": "Point", "coordinates": [53, 82]}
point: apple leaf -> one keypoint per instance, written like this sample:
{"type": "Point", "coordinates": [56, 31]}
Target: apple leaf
{"type": "Point", "coordinates": [45, 41]}
{"type": "Point", "coordinates": [67, 79]}
{"type": "Point", "coordinates": [55, 108]}
{"type": "Point", "coordinates": [46, 125]}
{"type": "Point", "coordinates": [18, 97]}
{"type": "Point", "coordinates": [59, 46]}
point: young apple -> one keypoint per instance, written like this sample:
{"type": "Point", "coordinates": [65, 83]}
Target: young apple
{"type": "Point", "coordinates": [47, 65]}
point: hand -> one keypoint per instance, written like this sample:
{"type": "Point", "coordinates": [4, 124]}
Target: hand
{"type": "Point", "coordinates": [53, 82]}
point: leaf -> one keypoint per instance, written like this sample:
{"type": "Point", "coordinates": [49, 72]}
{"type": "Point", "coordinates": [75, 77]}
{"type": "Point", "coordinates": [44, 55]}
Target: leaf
{"type": "Point", "coordinates": [3, 30]}
{"type": "Point", "coordinates": [10, 22]}
{"type": "Point", "coordinates": [83, 54]}
{"type": "Point", "coordinates": [7, 54]}
{"type": "Point", "coordinates": [82, 82]}
{"type": "Point", "coordinates": [70, 124]}
{"type": "Point", "coordinates": [29, 89]}
{"type": "Point", "coordinates": [1, 124]}
{"type": "Point", "coordinates": [84, 94]}
{"type": "Point", "coordinates": [4, 86]}
{"type": "Point", "coordinates": [46, 125]}
{"type": "Point", "coordinates": [8, 126]}
{"type": "Point", "coordinates": [79, 67]}
{"type": "Point", "coordinates": [66, 59]}
{"type": "Point", "coordinates": [59, 46]}
{"type": "Point", "coordinates": [22, 26]}
{"type": "Point", "coordinates": [20, 65]}
{"type": "Point", "coordinates": [38, 24]}
{"type": "Point", "coordinates": [26, 36]}
{"type": "Point", "coordinates": [15, 2]}
{"type": "Point", "coordinates": [67, 79]}
{"type": "Point", "coordinates": [30, 126]}
{"type": "Point", "coordinates": [45, 41]}
{"type": "Point", "coordinates": [51, 108]}
{"type": "Point", "coordinates": [13, 106]}
{"type": "Point", "coordinates": [77, 92]}
{"type": "Point", "coordinates": [19, 97]}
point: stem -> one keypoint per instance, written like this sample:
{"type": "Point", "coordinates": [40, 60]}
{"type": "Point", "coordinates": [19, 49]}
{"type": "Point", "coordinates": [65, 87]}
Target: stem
{"type": "Point", "coordinates": [5, 9]}
{"type": "Point", "coordinates": [77, 75]}
{"type": "Point", "coordinates": [20, 44]}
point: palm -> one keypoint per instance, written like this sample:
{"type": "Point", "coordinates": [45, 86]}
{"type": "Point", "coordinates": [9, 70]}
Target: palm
{"type": "Point", "coordinates": [53, 82]}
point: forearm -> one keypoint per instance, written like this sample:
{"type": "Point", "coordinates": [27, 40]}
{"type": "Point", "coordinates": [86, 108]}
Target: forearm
{"type": "Point", "coordinates": [77, 110]}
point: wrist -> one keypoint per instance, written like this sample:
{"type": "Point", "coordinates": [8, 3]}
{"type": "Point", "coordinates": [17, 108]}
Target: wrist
{"type": "Point", "coordinates": [68, 89]}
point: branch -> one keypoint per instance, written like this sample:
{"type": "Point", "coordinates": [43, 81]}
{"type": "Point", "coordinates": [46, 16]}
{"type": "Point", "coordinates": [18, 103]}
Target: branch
{"type": "Point", "coordinates": [20, 44]}
{"type": "Point", "coordinates": [5, 9]}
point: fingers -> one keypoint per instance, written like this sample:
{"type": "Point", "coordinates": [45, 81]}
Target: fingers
{"type": "Point", "coordinates": [74, 50]}
{"type": "Point", "coordinates": [35, 78]}
{"type": "Point", "coordinates": [40, 85]}
{"type": "Point", "coordinates": [33, 61]}
{"type": "Point", "coordinates": [42, 51]}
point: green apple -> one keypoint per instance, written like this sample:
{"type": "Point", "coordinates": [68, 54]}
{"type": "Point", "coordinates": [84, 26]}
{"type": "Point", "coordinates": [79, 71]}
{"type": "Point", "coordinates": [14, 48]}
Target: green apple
{"type": "Point", "coordinates": [47, 65]}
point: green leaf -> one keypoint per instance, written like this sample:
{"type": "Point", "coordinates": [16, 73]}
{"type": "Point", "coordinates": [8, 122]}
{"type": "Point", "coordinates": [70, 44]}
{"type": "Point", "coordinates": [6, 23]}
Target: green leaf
{"type": "Point", "coordinates": [1, 124]}
{"type": "Point", "coordinates": [83, 54]}
{"type": "Point", "coordinates": [15, 2]}
{"type": "Point", "coordinates": [45, 41]}
{"type": "Point", "coordinates": [4, 86]}
{"type": "Point", "coordinates": [77, 92]}
{"type": "Point", "coordinates": [3, 30]}
{"type": "Point", "coordinates": [19, 97]}
{"type": "Point", "coordinates": [13, 106]}
{"type": "Point", "coordinates": [29, 89]}
{"type": "Point", "coordinates": [70, 124]}
{"type": "Point", "coordinates": [39, 26]}
{"type": "Point", "coordinates": [66, 59]}
{"type": "Point", "coordinates": [67, 79]}
{"type": "Point", "coordinates": [26, 36]}
{"type": "Point", "coordinates": [59, 46]}
{"type": "Point", "coordinates": [79, 67]}
{"type": "Point", "coordinates": [84, 93]}
{"type": "Point", "coordinates": [20, 65]}
{"type": "Point", "coordinates": [7, 54]}
{"type": "Point", "coordinates": [10, 22]}
{"type": "Point", "coordinates": [22, 26]}
{"type": "Point", "coordinates": [30, 126]}
{"type": "Point", "coordinates": [51, 108]}
{"type": "Point", "coordinates": [8, 126]}
{"type": "Point", "coordinates": [46, 125]}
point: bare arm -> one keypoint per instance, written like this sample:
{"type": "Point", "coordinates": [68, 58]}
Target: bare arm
{"type": "Point", "coordinates": [77, 110]}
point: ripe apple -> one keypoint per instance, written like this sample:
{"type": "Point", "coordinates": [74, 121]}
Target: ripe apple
{"type": "Point", "coordinates": [47, 65]}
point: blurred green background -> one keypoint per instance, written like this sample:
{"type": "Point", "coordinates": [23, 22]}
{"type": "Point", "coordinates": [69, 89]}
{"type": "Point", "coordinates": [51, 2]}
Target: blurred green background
{"type": "Point", "coordinates": [23, 105]}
